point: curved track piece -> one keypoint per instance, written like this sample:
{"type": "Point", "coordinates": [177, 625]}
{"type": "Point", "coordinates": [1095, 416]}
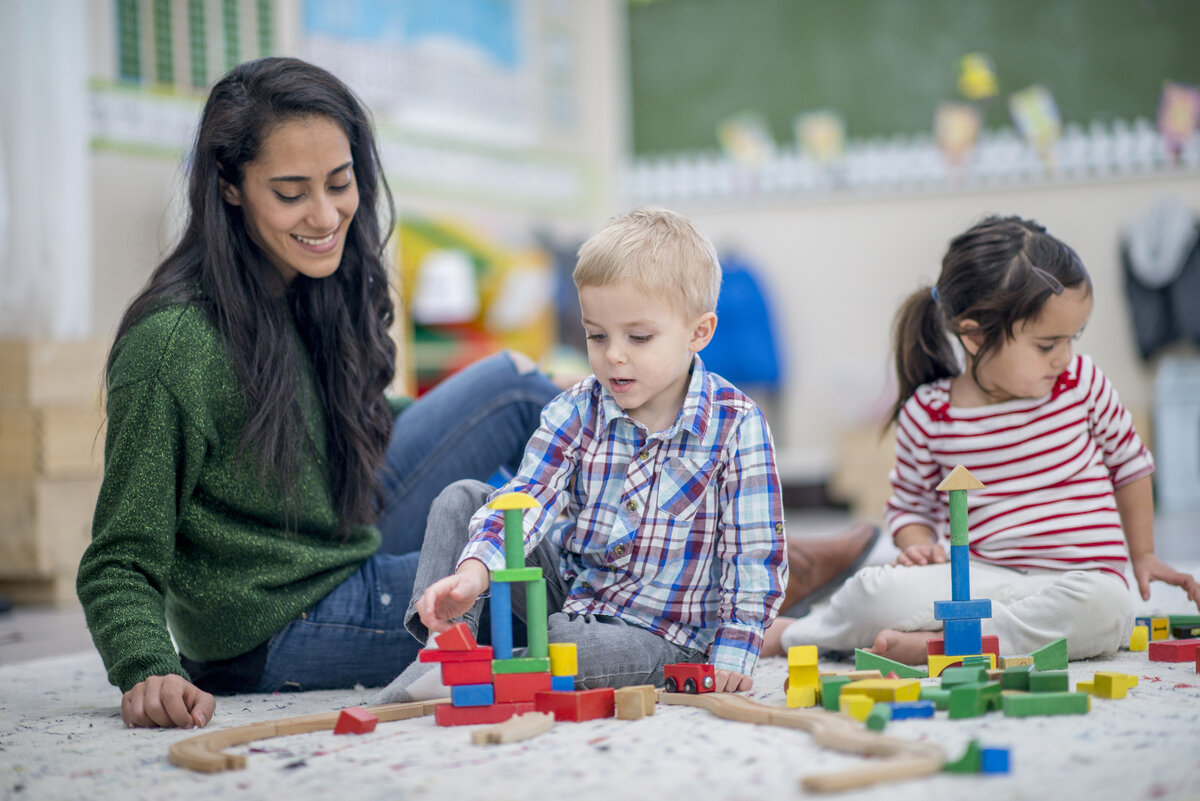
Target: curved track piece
{"type": "Point", "coordinates": [204, 751]}
{"type": "Point", "coordinates": [902, 759]}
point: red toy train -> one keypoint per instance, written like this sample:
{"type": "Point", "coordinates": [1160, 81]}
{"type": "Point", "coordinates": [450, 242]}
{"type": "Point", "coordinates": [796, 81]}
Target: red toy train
{"type": "Point", "coordinates": [690, 678]}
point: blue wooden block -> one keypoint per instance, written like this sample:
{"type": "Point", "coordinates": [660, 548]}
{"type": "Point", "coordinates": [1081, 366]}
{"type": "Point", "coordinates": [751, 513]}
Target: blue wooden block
{"type": "Point", "coordinates": [960, 573]}
{"type": "Point", "coordinates": [993, 760]}
{"type": "Point", "coordinates": [472, 695]}
{"type": "Point", "coordinates": [962, 610]}
{"type": "Point", "coordinates": [500, 611]}
{"type": "Point", "coordinates": [962, 636]}
{"type": "Point", "coordinates": [564, 684]}
{"type": "Point", "coordinates": [912, 709]}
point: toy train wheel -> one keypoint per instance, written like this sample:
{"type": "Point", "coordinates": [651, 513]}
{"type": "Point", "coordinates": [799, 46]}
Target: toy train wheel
{"type": "Point", "coordinates": [708, 682]}
{"type": "Point", "coordinates": [689, 686]}
{"type": "Point", "coordinates": [671, 686]}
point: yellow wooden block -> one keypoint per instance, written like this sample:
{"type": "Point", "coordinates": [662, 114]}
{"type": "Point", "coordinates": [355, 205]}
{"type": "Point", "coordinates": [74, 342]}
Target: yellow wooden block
{"type": "Point", "coordinates": [801, 696]}
{"type": "Point", "coordinates": [1085, 687]}
{"type": "Point", "coordinates": [1007, 662]}
{"type": "Point", "coordinates": [1112, 685]}
{"type": "Point", "coordinates": [856, 706]}
{"type": "Point", "coordinates": [1160, 628]}
{"type": "Point", "coordinates": [564, 659]}
{"type": "Point", "coordinates": [939, 662]}
{"type": "Point", "coordinates": [802, 655]}
{"type": "Point", "coordinates": [885, 689]}
{"type": "Point", "coordinates": [1140, 639]}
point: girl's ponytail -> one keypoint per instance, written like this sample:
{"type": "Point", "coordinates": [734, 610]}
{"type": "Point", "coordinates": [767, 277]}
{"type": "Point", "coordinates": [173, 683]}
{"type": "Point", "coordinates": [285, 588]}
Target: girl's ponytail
{"type": "Point", "coordinates": [922, 350]}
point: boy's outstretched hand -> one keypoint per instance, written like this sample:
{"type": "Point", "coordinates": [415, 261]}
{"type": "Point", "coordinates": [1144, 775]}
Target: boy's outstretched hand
{"type": "Point", "coordinates": [451, 597]}
{"type": "Point", "coordinates": [730, 682]}
{"type": "Point", "coordinates": [1147, 567]}
{"type": "Point", "coordinates": [166, 701]}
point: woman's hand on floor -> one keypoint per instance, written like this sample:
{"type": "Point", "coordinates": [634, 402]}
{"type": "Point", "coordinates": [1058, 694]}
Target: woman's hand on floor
{"type": "Point", "coordinates": [167, 701]}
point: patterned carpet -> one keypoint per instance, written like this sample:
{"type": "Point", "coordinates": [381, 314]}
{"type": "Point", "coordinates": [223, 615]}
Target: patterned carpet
{"type": "Point", "coordinates": [61, 738]}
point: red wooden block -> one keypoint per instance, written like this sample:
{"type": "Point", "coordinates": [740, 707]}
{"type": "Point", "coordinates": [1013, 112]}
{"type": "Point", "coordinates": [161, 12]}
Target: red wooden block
{"type": "Point", "coordinates": [447, 715]}
{"type": "Point", "coordinates": [477, 672]}
{"type": "Point", "coordinates": [457, 638]}
{"type": "Point", "coordinates": [519, 686]}
{"type": "Point", "coordinates": [481, 654]}
{"type": "Point", "coordinates": [1198, 660]}
{"type": "Point", "coordinates": [355, 720]}
{"type": "Point", "coordinates": [937, 646]}
{"type": "Point", "coordinates": [578, 705]}
{"type": "Point", "coordinates": [1174, 650]}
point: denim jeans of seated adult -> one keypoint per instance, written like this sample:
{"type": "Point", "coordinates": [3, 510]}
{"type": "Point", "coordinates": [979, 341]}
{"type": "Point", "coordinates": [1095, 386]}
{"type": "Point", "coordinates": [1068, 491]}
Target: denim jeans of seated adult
{"type": "Point", "coordinates": [470, 425]}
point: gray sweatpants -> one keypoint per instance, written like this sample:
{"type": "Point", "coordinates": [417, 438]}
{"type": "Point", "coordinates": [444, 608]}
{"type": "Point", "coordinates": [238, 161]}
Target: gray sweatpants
{"type": "Point", "coordinates": [611, 652]}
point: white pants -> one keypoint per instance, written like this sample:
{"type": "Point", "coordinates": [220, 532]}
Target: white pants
{"type": "Point", "coordinates": [1030, 608]}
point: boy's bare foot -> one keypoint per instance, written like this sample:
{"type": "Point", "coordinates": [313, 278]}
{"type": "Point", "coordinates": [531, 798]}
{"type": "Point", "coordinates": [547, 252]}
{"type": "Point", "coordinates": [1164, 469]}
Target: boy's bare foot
{"type": "Point", "coordinates": [818, 566]}
{"type": "Point", "coordinates": [773, 636]}
{"type": "Point", "coordinates": [903, 646]}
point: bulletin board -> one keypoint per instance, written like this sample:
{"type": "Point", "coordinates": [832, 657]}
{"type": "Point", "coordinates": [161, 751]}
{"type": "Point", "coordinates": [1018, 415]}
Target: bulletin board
{"type": "Point", "coordinates": [886, 64]}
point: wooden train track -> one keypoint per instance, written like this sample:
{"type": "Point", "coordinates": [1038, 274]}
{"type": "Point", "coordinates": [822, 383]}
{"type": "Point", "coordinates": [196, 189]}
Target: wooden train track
{"type": "Point", "coordinates": [205, 753]}
{"type": "Point", "coordinates": [901, 759]}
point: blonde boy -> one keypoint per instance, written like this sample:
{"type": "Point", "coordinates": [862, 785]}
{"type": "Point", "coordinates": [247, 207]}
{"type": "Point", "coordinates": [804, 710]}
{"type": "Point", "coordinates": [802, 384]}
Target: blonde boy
{"type": "Point", "coordinates": [672, 549]}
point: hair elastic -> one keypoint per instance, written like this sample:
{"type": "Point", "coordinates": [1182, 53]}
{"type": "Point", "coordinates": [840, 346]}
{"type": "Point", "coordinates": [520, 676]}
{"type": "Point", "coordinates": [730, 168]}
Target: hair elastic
{"type": "Point", "coordinates": [934, 294]}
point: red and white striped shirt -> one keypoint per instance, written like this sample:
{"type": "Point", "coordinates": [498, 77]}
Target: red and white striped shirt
{"type": "Point", "coordinates": [1049, 466]}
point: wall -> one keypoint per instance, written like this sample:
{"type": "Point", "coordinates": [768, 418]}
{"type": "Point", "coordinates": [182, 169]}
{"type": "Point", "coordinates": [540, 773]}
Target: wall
{"type": "Point", "coordinates": [837, 268]}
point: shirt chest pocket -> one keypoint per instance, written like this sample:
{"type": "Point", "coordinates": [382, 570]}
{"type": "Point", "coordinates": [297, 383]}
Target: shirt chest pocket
{"type": "Point", "coordinates": [682, 486]}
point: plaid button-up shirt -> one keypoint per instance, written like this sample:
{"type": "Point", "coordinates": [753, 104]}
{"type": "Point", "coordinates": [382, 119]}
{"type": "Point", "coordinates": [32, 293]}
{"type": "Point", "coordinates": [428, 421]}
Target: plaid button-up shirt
{"type": "Point", "coordinates": [679, 532]}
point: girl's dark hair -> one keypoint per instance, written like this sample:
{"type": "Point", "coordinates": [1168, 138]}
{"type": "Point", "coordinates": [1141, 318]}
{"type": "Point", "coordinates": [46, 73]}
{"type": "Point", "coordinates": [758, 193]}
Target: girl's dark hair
{"type": "Point", "coordinates": [996, 274]}
{"type": "Point", "coordinates": [343, 319]}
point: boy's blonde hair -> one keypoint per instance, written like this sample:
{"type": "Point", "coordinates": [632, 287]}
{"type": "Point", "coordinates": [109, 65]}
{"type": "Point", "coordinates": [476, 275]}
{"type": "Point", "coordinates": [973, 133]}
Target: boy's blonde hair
{"type": "Point", "coordinates": [661, 252]}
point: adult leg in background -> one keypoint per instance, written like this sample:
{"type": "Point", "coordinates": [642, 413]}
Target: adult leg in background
{"type": "Point", "coordinates": [468, 426]}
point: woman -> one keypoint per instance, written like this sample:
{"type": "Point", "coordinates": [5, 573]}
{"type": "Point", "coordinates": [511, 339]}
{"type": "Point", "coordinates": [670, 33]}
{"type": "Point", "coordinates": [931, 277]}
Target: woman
{"type": "Point", "coordinates": [259, 498]}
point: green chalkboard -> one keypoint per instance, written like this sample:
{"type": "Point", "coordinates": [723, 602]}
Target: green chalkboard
{"type": "Point", "coordinates": [886, 64]}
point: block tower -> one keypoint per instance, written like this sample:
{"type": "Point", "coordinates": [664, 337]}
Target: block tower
{"type": "Point", "coordinates": [961, 617]}
{"type": "Point", "coordinates": [487, 683]}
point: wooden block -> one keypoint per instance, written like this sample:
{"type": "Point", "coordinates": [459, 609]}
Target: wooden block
{"type": "Point", "coordinates": [993, 760]}
{"type": "Point", "coordinates": [903, 710]}
{"type": "Point", "coordinates": [447, 715]}
{"type": "Point", "coordinates": [43, 373]}
{"type": "Point", "coordinates": [1139, 640]}
{"type": "Point", "coordinates": [1183, 620]}
{"type": "Point", "coordinates": [1160, 628]}
{"type": "Point", "coordinates": [800, 696]}
{"type": "Point", "coordinates": [878, 717]}
{"type": "Point", "coordinates": [355, 720]}
{"type": "Point", "coordinates": [517, 728]}
{"type": "Point", "coordinates": [473, 695]}
{"type": "Point", "coordinates": [1174, 650]}
{"type": "Point", "coordinates": [519, 686]}
{"type": "Point", "coordinates": [1007, 662]}
{"type": "Point", "coordinates": [864, 660]}
{"type": "Point", "coordinates": [1049, 681]}
{"type": "Point", "coordinates": [973, 700]}
{"type": "Point", "coordinates": [856, 706]}
{"type": "Point", "coordinates": [939, 696]}
{"type": "Point", "coordinates": [477, 672]}
{"type": "Point", "coordinates": [1023, 705]}
{"type": "Point", "coordinates": [1106, 684]}
{"type": "Point", "coordinates": [564, 658]}
{"type": "Point", "coordinates": [579, 705]}
{"type": "Point", "coordinates": [457, 638]}
{"type": "Point", "coordinates": [990, 645]}
{"type": "Point", "coordinates": [46, 524]}
{"type": "Point", "coordinates": [481, 654]}
{"type": "Point", "coordinates": [1016, 678]}
{"type": "Point", "coordinates": [831, 688]}
{"type": "Point", "coordinates": [885, 689]}
{"type": "Point", "coordinates": [1052, 656]}
{"type": "Point", "coordinates": [636, 702]}
{"type": "Point", "coordinates": [521, 664]}
{"type": "Point", "coordinates": [969, 762]}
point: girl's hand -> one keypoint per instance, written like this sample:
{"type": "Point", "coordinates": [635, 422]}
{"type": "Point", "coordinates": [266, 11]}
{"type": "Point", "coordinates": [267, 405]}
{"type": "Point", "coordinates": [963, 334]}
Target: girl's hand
{"type": "Point", "coordinates": [453, 596]}
{"type": "Point", "coordinates": [924, 553]}
{"type": "Point", "coordinates": [1147, 567]}
{"type": "Point", "coordinates": [731, 682]}
{"type": "Point", "coordinates": [167, 701]}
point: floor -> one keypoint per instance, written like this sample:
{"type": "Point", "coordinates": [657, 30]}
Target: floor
{"type": "Point", "coordinates": [33, 632]}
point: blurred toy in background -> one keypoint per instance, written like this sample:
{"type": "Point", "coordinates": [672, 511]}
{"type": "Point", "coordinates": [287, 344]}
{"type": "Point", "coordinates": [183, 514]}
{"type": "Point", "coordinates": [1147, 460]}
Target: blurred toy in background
{"type": "Point", "coordinates": [746, 138]}
{"type": "Point", "coordinates": [1178, 115]}
{"type": "Point", "coordinates": [956, 129]}
{"type": "Point", "coordinates": [821, 135]}
{"type": "Point", "coordinates": [977, 77]}
{"type": "Point", "coordinates": [1035, 113]}
{"type": "Point", "coordinates": [467, 296]}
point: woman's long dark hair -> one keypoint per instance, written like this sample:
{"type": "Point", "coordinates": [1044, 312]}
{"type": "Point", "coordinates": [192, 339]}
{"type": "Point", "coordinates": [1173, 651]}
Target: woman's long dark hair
{"type": "Point", "coordinates": [343, 319]}
{"type": "Point", "coordinates": [997, 273]}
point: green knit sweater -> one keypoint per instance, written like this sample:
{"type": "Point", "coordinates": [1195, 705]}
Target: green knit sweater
{"type": "Point", "coordinates": [187, 535]}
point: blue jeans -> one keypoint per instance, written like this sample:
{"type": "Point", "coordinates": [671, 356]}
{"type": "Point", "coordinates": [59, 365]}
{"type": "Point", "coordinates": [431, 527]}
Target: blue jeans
{"type": "Point", "coordinates": [470, 425]}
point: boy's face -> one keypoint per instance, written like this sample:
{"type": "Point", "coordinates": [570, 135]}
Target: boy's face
{"type": "Point", "coordinates": [640, 347]}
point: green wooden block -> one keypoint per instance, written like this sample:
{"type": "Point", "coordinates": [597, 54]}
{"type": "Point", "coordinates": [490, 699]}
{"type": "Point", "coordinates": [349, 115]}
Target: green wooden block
{"type": "Point", "coordinates": [1016, 678]}
{"type": "Point", "coordinates": [535, 619]}
{"type": "Point", "coordinates": [514, 539]}
{"type": "Point", "coordinates": [1024, 705]}
{"type": "Point", "coordinates": [954, 676]}
{"type": "Point", "coordinates": [1053, 681]}
{"type": "Point", "coordinates": [939, 696]}
{"type": "Point", "coordinates": [969, 762]}
{"type": "Point", "coordinates": [831, 689]}
{"type": "Point", "coordinates": [521, 664]}
{"type": "Point", "coordinates": [1052, 656]}
{"type": "Point", "coordinates": [517, 574]}
{"type": "Point", "coordinates": [1183, 620]}
{"type": "Point", "coordinates": [977, 659]}
{"type": "Point", "coordinates": [973, 700]}
{"type": "Point", "coordinates": [878, 717]}
{"type": "Point", "coordinates": [864, 660]}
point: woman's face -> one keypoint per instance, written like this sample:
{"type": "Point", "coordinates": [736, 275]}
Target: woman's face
{"type": "Point", "coordinates": [299, 196]}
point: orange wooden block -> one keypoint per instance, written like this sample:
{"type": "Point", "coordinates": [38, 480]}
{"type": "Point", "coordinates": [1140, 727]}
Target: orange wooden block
{"type": "Point", "coordinates": [355, 720]}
